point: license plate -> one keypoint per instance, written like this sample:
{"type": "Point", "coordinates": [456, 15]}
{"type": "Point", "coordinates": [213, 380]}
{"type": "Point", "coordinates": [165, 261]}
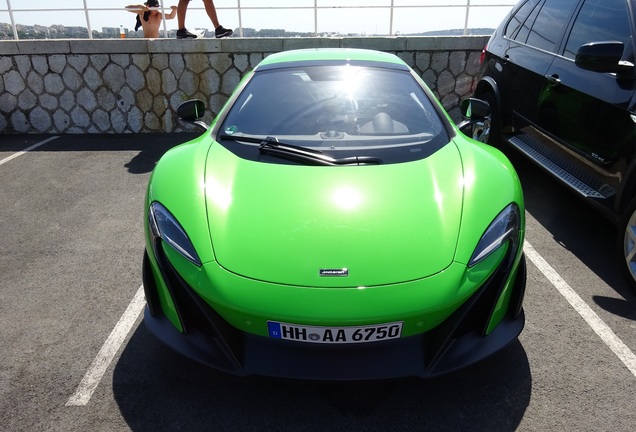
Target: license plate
{"type": "Point", "coordinates": [334, 335]}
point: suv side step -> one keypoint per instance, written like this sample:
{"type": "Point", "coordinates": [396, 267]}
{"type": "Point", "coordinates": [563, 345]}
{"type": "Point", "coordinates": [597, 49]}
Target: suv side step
{"type": "Point", "coordinates": [555, 165]}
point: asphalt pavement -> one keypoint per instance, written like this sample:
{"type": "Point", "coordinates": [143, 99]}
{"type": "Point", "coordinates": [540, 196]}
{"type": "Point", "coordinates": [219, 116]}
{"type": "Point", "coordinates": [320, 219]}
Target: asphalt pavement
{"type": "Point", "coordinates": [70, 268]}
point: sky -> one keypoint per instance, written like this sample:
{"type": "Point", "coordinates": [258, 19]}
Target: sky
{"type": "Point", "coordinates": [333, 16]}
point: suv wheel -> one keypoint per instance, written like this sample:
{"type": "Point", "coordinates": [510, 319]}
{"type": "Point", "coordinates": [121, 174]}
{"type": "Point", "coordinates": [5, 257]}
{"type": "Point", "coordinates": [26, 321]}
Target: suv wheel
{"type": "Point", "coordinates": [627, 243]}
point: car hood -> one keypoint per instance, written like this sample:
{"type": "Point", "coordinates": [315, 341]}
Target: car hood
{"type": "Point", "coordinates": [321, 226]}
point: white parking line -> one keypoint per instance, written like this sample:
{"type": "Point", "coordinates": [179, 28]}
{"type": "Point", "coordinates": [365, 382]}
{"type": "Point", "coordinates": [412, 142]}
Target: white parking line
{"type": "Point", "coordinates": [610, 339]}
{"type": "Point", "coordinates": [28, 149]}
{"type": "Point", "coordinates": [105, 355]}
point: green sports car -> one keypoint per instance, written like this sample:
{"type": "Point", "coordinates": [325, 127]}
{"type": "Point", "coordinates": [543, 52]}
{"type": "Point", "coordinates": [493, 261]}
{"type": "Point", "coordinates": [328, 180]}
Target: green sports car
{"type": "Point", "coordinates": [333, 223]}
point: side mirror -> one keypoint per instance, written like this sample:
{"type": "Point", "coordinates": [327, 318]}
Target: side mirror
{"type": "Point", "coordinates": [474, 109]}
{"type": "Point", "coordinates": [476, 124]}
{"type": "Point", "coordinates": [602, 57]}
{"type": "Point", "coordinates": [192, 111]}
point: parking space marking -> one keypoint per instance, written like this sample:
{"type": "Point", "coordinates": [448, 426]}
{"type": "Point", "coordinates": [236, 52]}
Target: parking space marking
{"type": "Point", "coordinates": [106, 354]}
{"type": "Point", "coordinates": [614, 343]}
{"type": "Point", "coordinates": [26, 150]}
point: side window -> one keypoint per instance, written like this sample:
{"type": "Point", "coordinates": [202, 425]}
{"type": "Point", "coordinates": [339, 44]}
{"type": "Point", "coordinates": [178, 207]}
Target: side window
{"type": "Point", "coordinates": [524, 31]}
{"type": "Point", "coordinates": [519, 19]}
{"type": "Point", "coordinates": [599, 20]}
{"type": "Point", "coordinates": [553, 16]}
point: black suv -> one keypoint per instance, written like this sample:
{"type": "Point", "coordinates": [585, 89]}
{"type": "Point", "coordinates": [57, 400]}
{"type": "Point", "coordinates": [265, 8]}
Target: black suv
{"type": "Point", "coordinates": [560, 79]}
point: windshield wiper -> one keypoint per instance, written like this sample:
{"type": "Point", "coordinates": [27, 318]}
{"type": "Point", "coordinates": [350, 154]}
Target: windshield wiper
{"type": "Point", "coordinates": [272, 146]}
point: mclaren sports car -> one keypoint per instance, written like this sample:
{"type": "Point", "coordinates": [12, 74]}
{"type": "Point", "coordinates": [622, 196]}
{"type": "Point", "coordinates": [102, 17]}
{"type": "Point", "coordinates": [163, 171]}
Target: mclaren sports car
{"type": "Point", "coordinates": [333, 223]}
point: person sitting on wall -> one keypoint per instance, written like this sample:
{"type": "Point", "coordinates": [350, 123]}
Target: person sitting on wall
{"type": "Point", "coordinates": [149, 17]}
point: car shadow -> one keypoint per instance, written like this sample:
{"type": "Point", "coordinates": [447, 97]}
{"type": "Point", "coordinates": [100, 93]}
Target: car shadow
{"type": "Point", "coordinates": [618, 307]}
{"type": "Point", "coordinates": [149, 155]}
{"type": "Point", "coordinates": [157, 389]}
{"type": "Point", "coordinates": [576, 226]}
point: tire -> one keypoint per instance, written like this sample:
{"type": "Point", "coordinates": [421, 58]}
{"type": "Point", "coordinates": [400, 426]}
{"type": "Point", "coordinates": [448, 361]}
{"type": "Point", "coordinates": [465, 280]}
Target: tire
{"type": "Point", "coordinates": [626, 244]}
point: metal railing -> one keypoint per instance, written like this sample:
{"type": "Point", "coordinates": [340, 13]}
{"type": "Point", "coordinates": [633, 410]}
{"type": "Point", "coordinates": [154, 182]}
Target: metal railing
{"type": "Point", "coordinates": [462, 7]}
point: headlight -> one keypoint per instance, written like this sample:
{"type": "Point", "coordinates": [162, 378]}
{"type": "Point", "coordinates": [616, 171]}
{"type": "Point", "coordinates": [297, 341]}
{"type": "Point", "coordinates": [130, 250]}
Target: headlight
{"type": "Point", "coordinates": [504, 228]}
{"type": "Point", "coordinates": [164, 226]}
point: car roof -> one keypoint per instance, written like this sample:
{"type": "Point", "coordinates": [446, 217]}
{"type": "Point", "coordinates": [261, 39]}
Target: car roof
{"type": "Point", "coordinates": [328, 55]}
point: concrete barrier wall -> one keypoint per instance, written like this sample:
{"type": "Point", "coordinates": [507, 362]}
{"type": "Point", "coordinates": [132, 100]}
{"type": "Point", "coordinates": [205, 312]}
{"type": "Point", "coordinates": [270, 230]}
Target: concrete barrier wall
{"type": "Point", "coordinates": [134, 85]}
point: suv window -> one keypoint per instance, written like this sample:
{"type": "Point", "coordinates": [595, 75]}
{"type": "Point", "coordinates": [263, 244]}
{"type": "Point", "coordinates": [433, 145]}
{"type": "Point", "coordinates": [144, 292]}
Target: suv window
{"type": "Point", "coordinates": [524, 31]}
{"type": "Point", "coordinates": [519, 19]}
{"type": "Point", "coordinates": [599, 20]}
{"type": "Point", "coordinates": [547, 27]}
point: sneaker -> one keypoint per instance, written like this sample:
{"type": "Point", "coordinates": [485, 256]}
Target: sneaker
{"type": "Point", "coordinates": [221, 32]}
{"type": "Point", "coordinates": [185, 34]}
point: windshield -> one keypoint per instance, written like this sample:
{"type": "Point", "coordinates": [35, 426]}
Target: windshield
{"type": "Point", "coordinates": [335, 107]}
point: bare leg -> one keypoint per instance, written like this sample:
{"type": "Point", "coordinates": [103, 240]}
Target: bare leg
{"type": "Point", "coordinates": [211, 10]}
{"type": "Point", "coordinates": [182, 8]}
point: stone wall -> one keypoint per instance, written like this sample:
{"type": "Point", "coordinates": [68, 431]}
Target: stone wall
{"type": "Point", "coordinates": [134, 85]}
